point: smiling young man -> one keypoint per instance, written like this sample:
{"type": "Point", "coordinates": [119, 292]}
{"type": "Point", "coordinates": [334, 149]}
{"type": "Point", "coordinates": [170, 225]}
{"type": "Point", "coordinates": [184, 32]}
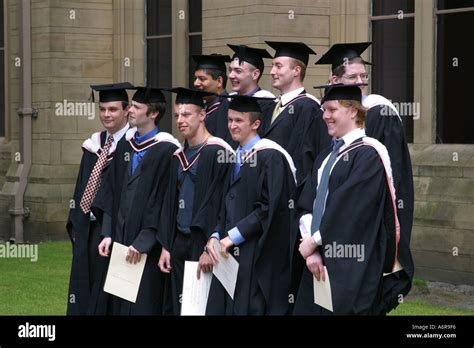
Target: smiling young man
{"type": "Point", "coordinates": [210, 75]}
{"type": "Point", "coordinates": [384, 124]}
{"type": "Point", "coordinates": [347, 205]}
{"type": "Point", "coordinates": [194, 194]}
{"type": "Point", "coordinates": [295, 122]}
{"type": "Point", "coordinates": [137, 182]}
{"type": "Point", "coordinates": [246, 70]}
{"type": "Point", "coordinates": [253, 225]}
{"type": "Point", "coordinates": [87, 268]}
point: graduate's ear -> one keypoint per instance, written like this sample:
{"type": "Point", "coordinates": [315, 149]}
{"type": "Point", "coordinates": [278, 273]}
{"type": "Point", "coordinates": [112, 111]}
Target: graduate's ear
{"type": "Point", "coordinates": [220, 82]}
{"type": "Point", "coordinates": [256, 74]}
{"type": "Point", "coordinates": [297, 70]}
{"type": "Point", "coordinates": [202, 114]}
{"type": "Point", "coordinates": [256, 124]}
{"type": "Point", "coordinates": [334, 79]}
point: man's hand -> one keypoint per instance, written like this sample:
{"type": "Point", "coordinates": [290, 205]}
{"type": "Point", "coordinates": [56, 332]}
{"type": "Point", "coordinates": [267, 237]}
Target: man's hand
{"type": "Point", "coordinates": [205, 264]}
{"type": "Point", "coordinates": [314, 262]}
{"type": "Point", "coordinates": [104, 246]}
{"type": "Point", "coordinates": [226, 243]}
{"type": "Point", "coordinates": [307, 246]}
{"type": "Point", "coordinates": [133, 255]}
{"type": "Point", "coordinates": [211, 251]}
{"type": "Point", "coordinates": [165, 261]}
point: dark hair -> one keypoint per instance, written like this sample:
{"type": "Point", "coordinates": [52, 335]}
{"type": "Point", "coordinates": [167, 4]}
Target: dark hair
{"type": "Point", "coordinates": [124, 105]}
{"type": "Point", "coordinates": [215, 73]}
{"type": "Point", "coordinates": [160, 108]}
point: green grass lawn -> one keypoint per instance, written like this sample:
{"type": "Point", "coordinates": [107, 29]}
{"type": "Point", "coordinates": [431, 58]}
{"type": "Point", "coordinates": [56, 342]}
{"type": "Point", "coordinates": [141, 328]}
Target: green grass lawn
{"type": "Point", "coordinates": [422, 308]}
{"type": "Point", "coordinates": [36, 288]}
{"type": "Point", "coordinates": [40, 288]}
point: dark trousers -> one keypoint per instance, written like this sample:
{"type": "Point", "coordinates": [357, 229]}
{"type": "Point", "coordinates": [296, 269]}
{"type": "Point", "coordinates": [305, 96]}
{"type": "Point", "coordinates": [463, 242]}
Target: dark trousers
{"type": "Point", "coordinates": [180, 252]}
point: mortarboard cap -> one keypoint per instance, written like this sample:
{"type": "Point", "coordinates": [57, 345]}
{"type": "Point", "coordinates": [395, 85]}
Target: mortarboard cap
{"type": "Point", "coordinates": [244, 103]}
{"type": "Point", "coordinates": [338, 54]}
{"type": "Point", "coordinates": [112, 92]}
{"type": "Point", "coordinates": [296, 50]}
{"type": "Point", "coordinates": [147, 95]}
{"type": "Point", "coordinates": [189, 96]}
{"type": "Point", "coordinates": [340, 91]}
{"type": "Point", "coordinates": [250, 55]}
{"type": "Point", "coordinates": [211, 61]}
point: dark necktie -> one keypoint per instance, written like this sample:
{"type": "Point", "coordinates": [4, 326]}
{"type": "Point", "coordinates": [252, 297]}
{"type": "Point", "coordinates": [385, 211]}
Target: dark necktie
{"type": "Point", "coordinates": [321, 193]}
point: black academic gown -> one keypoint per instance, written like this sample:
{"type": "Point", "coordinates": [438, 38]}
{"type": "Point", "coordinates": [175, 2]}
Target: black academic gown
{"type": "Point", "coordinates": [132, 201]}
{"type": "Point", "coordinates": [300, 130]}
{"type": "Point", "coordinates": [216, 119]}
{"type": "Point", "coordinates": [257, 203]}
{"type": "Point", "coordinates": [212, 172]}
{"type": "Point", "coordinates": [389, 131]}
{"type": "Point", "coordinates": [85, 295]}
{"type": "Point", "coordinates": [359, 211]}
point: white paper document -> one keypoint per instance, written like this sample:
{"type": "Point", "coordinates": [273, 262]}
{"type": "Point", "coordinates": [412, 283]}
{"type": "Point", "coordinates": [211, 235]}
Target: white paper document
{"type": "Point", "coordinates": [226, 270]}
{"type": "Point", "coordinates": [123, 278]}
{"type": "Point", "coordinates": [195, 291]}
{"type": "Point", "coordinates": [322, 291]}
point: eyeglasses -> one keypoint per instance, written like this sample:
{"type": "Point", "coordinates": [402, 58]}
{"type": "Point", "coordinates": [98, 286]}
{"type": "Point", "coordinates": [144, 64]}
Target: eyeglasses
{"type": "Point", "coordinates": [363, 77]}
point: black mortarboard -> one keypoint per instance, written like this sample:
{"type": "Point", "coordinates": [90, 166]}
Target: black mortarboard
{"type": "Point", "coordinates": [244, 103]}
{"type": "Point", "coordinates": [296, 50]}
{"type": "Point", "coordinates": [250, 55]}
{"type": "Point", "coordinates": [338, 54]}
{"type": "Point", "coordinates": [211, 61]}
{"type": "Point", "coordinates": [340, 91]}
{"type": "Point", "coordinates": [189, 96]}
{"type": "Point", "coordinates": [147, 95]}
{"type": "Point", "coordinates": [112, 92]}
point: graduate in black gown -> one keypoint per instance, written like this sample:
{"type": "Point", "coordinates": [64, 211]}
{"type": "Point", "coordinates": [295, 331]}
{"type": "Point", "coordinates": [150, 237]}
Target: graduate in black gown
{"type": "Point", "coordinates": [210, 75]}
{"type": "Point", "coordinates": [87, 268]}
{"type": "Point", "coordinates": [245, 71]}
{"type": "Point", "coordinates": [194, 194]}
{"type": "Point", "coordinates": [295, 122]}
{"type": "Point", "coordinates": [134, 195]}
{"type": "Point", "coordinates": [384, 124]}
{"type": "Point", "coordinates": [254, 222]}
{"type": "Point", "coordinates": [348, 215]}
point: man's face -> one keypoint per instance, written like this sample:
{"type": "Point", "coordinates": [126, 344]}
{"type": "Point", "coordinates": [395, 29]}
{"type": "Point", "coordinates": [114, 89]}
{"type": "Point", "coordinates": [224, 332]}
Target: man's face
{"type": "Point", "coordinates": [113, 116]}
{"type": "Point", "coordinates": [282, 73]}
{"type": "Point", "coordinates": [188, 119]}
{"type": "Point", "coordinates": [355, 73]}
{"type": "Point", "coordinates": [138, 117]}
{"type": "Point", "coordinates": [204, 82]}
{"type": "Point", "coordinates": [240, 127]}
{"type": "Point", "coordinates": [339, 119]}
{"type": "Point", "coordinates": [243, 77]}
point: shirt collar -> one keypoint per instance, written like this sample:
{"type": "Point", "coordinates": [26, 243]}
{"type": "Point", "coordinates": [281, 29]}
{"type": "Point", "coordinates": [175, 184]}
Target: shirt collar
{"type": "Point", "coordinates": [352, 136]}
{"type": "Point", "coordinates": [253, 92]}
{"type": "Point", "coordinates": [287, 97]}
{"type": "Point", "coordinates": [149, 135]}
{"type": "Point", "coordinates": [119, 135]}
{"type": "Point", "coordinates": [251, 143]}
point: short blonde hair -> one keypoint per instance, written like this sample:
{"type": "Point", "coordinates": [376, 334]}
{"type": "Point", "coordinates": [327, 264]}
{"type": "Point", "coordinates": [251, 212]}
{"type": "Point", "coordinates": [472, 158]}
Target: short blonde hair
{"type": "Point", "coordinates": [361, 111]}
